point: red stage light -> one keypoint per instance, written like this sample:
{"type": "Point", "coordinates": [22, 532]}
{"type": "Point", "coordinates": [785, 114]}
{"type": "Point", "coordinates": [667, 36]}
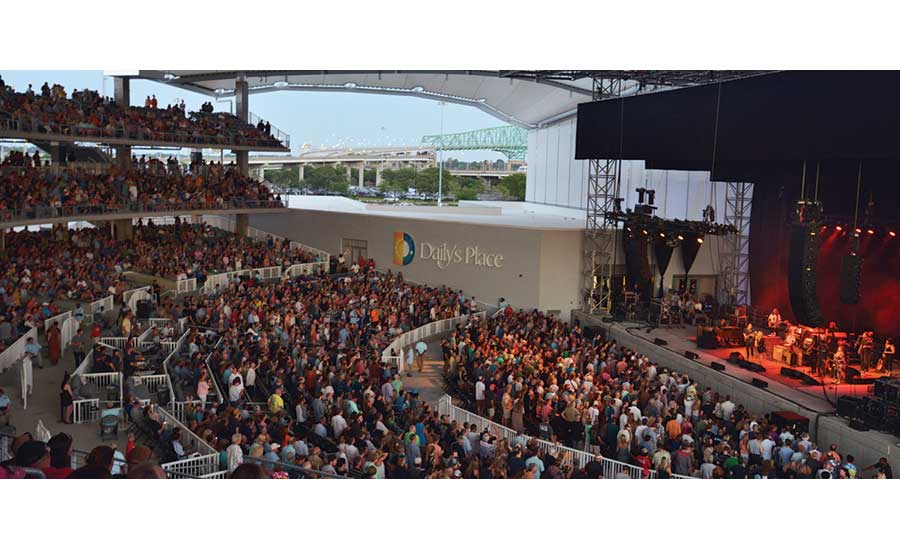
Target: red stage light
{"type": "Point", "coordinates": [892, 234]}
{"type": "Point", "coordinates": [838, 228]}
{"type": "Point", "coordinates": [871, 231]}
{"type": "Point", "coordinates": [858, 230]}
{"type": "Point", "coordinates": [700, 240]}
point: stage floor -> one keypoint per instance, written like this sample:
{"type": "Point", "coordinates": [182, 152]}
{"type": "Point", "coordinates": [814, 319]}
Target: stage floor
{"type": "Point", "coordinates": [817, 397]}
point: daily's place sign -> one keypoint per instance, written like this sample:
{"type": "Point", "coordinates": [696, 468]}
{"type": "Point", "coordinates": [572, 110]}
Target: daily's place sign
{"type": "Point", "coordinates": [443, 254]}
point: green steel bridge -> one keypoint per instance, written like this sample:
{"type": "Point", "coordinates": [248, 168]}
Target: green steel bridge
{"type": "Point", "coordinates": [511, 141]}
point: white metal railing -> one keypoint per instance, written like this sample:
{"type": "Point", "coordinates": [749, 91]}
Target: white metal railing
{"type": "Point", "coordinates": [102, 379]}
{"type": "Point", "coordinates": [107, 304]}
{"type": "Point", "coordinates": [311, 268]}
{"type": "Point", "coordinates": [179, 408]}
{"type": "Point", "coordinates": [205, 465]}
{"type": "Point", "coordinates": [86, 410]}
{"type": "Point", "coordinates": [16, 350]}
{"type": "Point", "coordinates": [151, 381]}
{"type": "Point", "coordinates": [225, 279]}
{"type": "Point", "coordinates": [393, 353]}
{"type": "Point", "coordinates": [611, 468]}
{"type": "Point", "coordinates": [57, 319]}
{"type": "Point", "coordinates": [85, 365]}
{"type": "Point", "coordinates": [183, 286]}
{"type": "Point", "coordinates": [190, 440]}
{"type": "Point", "coordinates": [117, 342]}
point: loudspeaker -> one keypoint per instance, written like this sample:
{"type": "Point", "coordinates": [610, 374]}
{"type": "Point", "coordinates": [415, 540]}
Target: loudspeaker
{"type": "Point", "coordinates": [717, 366]}
{"type": "Point", "coordinates": [759, 383]}
{"type": "Point", "coordinates": [804, 252]}
{"type": "Point", "coordinates": [735, 357]}
{"type": "Point", "coordinates": [144, 309]}
{"type": "Point", "coordinates": [660, 342]}
{"type": "Point", "coordinates": [888, 389]}
{"type": "Point", "coordinates": [707, 339]}
{"type": "Point", "coordinates": [788, 372]}
{"type": "Point", "coordinates": [691, 355]}
{"type": "Point", "coordinates": [808, 380]}
{"type": "Point", "coordinates": [851, 267]}
{"type": "Point", "coordinates": [848, 406]}
{"type": "Point", "coordinates": [858, 425]}
{"type": "Point", "coordinates": [852, 374]}
{"type": "Point", "coordinates": [796, 422]}
{"type": "Point", "coordinates": [751, 366]}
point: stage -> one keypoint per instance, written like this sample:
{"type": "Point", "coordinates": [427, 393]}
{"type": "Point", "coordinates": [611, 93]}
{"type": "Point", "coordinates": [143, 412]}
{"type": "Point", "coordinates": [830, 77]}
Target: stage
{"type": "Point", "coordinates": [685, 339]}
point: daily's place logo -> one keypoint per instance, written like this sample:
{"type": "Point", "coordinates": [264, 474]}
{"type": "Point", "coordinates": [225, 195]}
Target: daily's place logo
{"type": "Point", "coordinates": [404, 248]}
{"type": "Point", "coordinates": [443, 254]}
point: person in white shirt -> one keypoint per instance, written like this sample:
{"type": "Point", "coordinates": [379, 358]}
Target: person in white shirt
{"type": "Point", "coordinates": [479, 395]}
{"type": "Point", "coordinates": [766, 447]}
{"type": "Point", "coordinates": [726, 409]}
{"type": "Point", "coordinates": [338, 424]}
{"type": "Point", "coordinates": [234, 453]}
{"type": "Point", "coordinates": [774, 318]}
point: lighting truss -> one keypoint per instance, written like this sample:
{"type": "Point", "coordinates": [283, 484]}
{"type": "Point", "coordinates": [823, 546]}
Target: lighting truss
{"type": "Point", "coordinates": [734, 248]}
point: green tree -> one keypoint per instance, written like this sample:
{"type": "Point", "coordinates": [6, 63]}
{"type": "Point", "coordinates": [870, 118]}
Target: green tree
{"type": "Point", "coordinates": [466, 188]}
{"type": "Point", "coordinates": [398, 180]}
{"type": "Point", "coordinates": [328, 177]}
{"type": "Point", "coordinates": [427, 180]}
{"type": "Point", "coordinates": [513, 186]}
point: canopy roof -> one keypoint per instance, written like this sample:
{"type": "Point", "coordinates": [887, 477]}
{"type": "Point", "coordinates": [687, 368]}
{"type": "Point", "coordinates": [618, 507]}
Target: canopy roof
{"type": "Point", "coordinates": [529, 99]}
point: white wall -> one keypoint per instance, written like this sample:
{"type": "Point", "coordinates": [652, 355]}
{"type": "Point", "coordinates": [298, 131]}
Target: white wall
{"type": "Point", "coordinates": [555, 177]}
{"type": "Point", "coordinates": [526, 278]}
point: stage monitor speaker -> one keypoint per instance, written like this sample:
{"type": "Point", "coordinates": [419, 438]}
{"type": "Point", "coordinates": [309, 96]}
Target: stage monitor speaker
{"type": "Point", "coordinates": [660, 342]}
{"type": "Point", "coordinates": [852, 374]}
{"type": "Point", "coordinates": [804, 253]}
{"type": "Point", "coordinates": [691, 355]}
{"type": "Point", "coordinates": [797, 423]}
{"type": "Point", "coordinates": [851, 268]}
{"type": "Point", "coordinates": [808, 380]}
{"type": "Point", "coordinates": [858, 425]}
{"type": "Point", "coordinates": [888, 389]}
{"type": "Point", "coordinates": [735, 357]}
{"type": "Point", "coordinates": [707, 339]}
{"type": "Point", "coordinates": [788, 372]}
{"type": "Point", "coordinates": [751, 366]}
{"type": "Point", "coordinates": [759, 383]}
{"type": "Point", "coordinates": [848, 406]}
{"type": "Point", "coordinates": [717, 366]}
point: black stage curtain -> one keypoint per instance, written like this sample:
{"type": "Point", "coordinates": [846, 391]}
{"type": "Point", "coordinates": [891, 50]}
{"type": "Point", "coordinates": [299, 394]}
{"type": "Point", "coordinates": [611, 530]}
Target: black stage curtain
{"type": "Point", "coordinates": [637, 263]}
{"type": "Point", "coordinates": [663, 254]}
{"type": "Point", "coordinates": [689, 249]}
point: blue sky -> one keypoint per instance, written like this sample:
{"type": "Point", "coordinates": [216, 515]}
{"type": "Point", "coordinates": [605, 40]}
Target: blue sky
{"type": "Point", "coordinates": [318, 118]}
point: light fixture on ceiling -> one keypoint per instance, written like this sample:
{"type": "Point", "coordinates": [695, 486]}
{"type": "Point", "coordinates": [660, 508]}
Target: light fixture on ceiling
{"type": "Point", "coordinates": [281, 84]}
{"type": "Point", "coordinates": [481, 100]}
{"type": "Point", "coordinates": [350, 85]}
{"type": "Point", "coordinates": [418, 89]}
{"type": "Point", "coordinates": [170, 76]}
{"type": "Point", "coordinates": [220, 91]}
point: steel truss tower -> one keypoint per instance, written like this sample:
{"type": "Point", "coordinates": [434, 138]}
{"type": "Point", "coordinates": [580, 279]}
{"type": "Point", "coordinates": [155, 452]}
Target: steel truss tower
{"type": "Point", "coordinates": [734, 250]}
{"type": "Point", "coordinates": [600, 232]}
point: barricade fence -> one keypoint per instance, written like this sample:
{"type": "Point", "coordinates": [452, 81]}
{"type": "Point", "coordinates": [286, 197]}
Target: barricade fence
{"type": "Point", "coordinates": [184, 286]}
{"type": "Point", "coordinates": [86, 410]}
{"type": "Point", "coordinates": [16, 350]}
{"type": "Point", "coordinates": [393, 354]}
{"type": "Point", "coordinates": [611, 468]}
{"type": "Point", "coordinates": [190, 441]}
{"type": "Point", "coordinates": [133, 296]}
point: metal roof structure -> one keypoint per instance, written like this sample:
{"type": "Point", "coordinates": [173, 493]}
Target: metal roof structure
{"type": "Point", "coordinates": [528, 99]}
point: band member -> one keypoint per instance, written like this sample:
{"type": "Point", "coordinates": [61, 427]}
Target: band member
{"type": "Point", "coordinates": [866, 350]}
{"type": "Point", "coordinates": [750, 340]}
{"type": "Point", "coordinates": [887, 357]}
{"type": "Point", "coordinates": [774, 319]}
{"type": "Point", "coordinates": [838, 364]}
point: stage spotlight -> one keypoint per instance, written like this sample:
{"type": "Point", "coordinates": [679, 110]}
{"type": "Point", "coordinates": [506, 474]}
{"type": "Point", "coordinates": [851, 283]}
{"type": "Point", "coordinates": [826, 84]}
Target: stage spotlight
{"type": "Point", "coordinates": [838, 228]}
{"type": "Point", "coordinates": [663, 235]}
{"type": "Point", "coordinates": [892, 234]}
{"type": "Point", "coordinates": [700, 240]}
{"type": "Point", "coordinates": [857, 231]}
{"type": "Point", "coordinates": [823, 228]}
{"type": "Point", "coordinates": [871, 231]}
{"type": "Point", "coordinates": [645, 232]}
{"type": "Point", "coordinates": [680, 238]}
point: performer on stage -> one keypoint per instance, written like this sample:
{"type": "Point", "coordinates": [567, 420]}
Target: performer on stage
{"type": "Point", "coordinates": [887, 357]}
{"type": "Point", "coordinates": [750, 340]}
{"type": "Point", "coordinates": [866, 350]}
{"type": "Point", "coordinates": [774, 319]}
{"type": "Point", "coordinates": [838, 364]}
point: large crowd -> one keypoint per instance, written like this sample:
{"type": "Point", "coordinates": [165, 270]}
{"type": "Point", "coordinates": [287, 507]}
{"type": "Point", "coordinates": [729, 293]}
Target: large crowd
{"type": "Point", "coordinates": [145, 186]}
{"type": "Point", "coordinates": [90, 115]}
{"type": "Point", "coordinates": [38, 270]}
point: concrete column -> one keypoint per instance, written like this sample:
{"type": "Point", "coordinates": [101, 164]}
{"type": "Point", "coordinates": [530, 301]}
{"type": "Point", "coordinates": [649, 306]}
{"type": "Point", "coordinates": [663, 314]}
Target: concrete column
{"type": "Point", "coordinates": [123, 229]}
{"type": "Point", "coordinates": [378, 169]}
{"type": "Point", "coordinates": [57, 154]}
{"type": "Point", "coordinates": [242, 111]}
{"type": "Point", "coordinates": [361, 176]}
{"type": "Point", "coordinates": [302, 169]}
{"type": "Point", "coordinates": [349, 173]}
{"type": "Point", "coordinates": [242, 222]}
{"type": "Point", "coordinates": [122, 95]}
